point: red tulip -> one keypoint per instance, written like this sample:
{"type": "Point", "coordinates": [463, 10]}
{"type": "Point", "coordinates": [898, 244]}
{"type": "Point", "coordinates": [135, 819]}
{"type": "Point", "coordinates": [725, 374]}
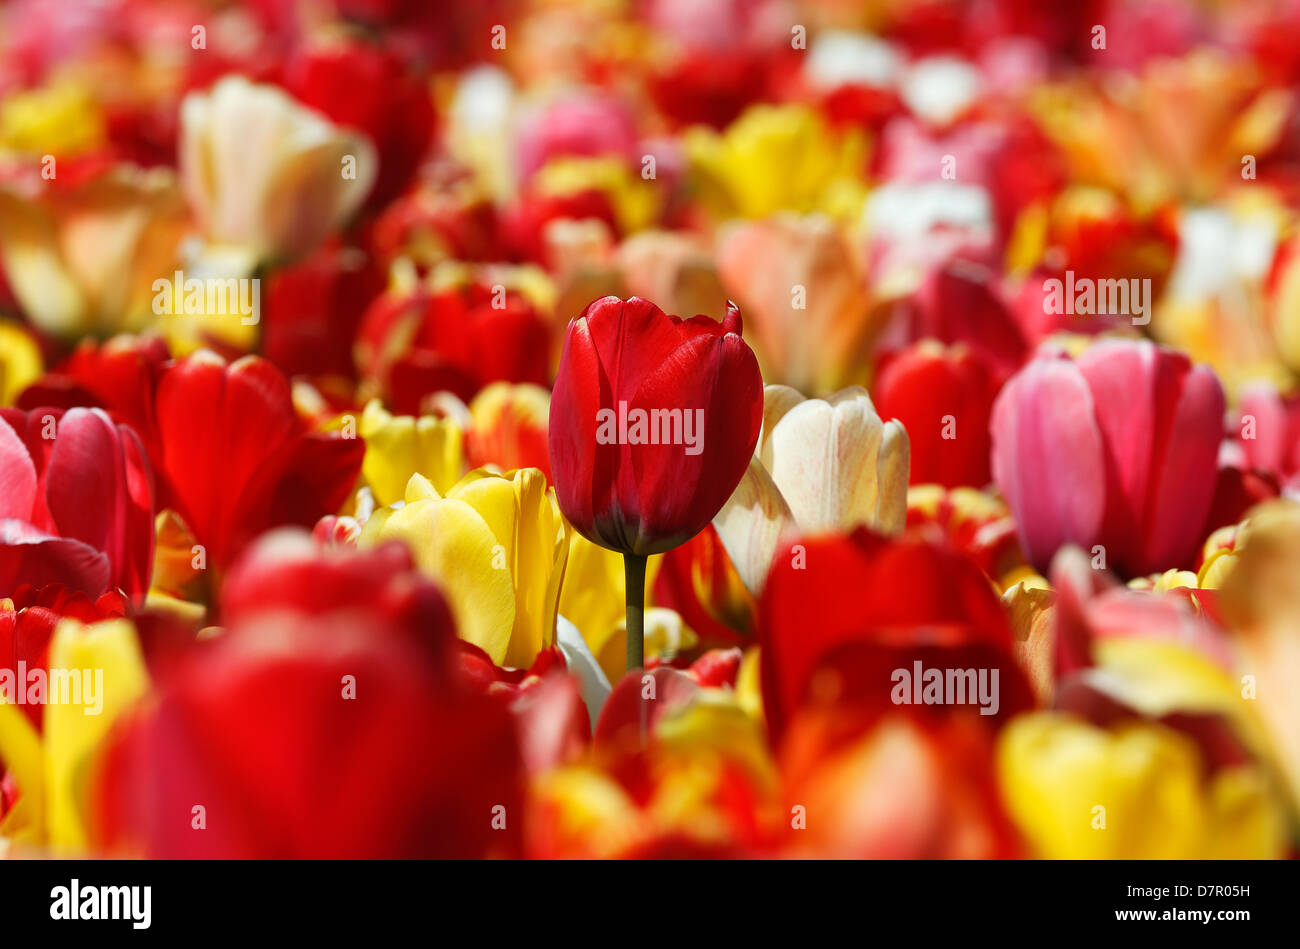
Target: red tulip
{"type": "Point", "coordinates": [237, 458]}
{"type": "Point", "coordinates": [118, 375]}
{"type": "Point", "coordinates": [944, 397]}
{"type": "Point", "coordinates": [626, 362]}
{"type": "Point", "coordinates": [320, 724]}
{"type": "Point", "coordinates": [366, 88]}
{"type": "Point", "coordinates": [835, 628]}
{"type": "Point", "coordinates": [963, 302]}
{"type": "Point", "coordinates": [1116, 449]}
{"type": "Point", "coordinates": [312, 311]}
{"type": "Point", "coordinates": [414, 344]}
{"type": "Point", "coordinates": [76, 502]}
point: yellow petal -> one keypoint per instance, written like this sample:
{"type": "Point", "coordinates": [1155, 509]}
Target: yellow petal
{"type": "Point", "coordinates": [1134, 792]}
{"type": "Point", "coordinates": [20, 361]}
{"type": "Point", "coordinates": [452, 543]}
{"type": "Point", "coordinates": [104, 672]}
{"type": "Point", "coordinates": [399, 446]}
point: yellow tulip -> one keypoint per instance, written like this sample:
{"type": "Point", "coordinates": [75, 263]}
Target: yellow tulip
{"type": "Point", "coordinates": [20, 361]}
{"type": "Point", "coordinates": [497, 544]}
{"type": "Point", "coordinates": [398, 446]}
{"type": "Point", "coordinates": [60, 119]}
{"type": "Point", "coordinates": [1133, 792]}
{"type": "Point", "coordinates": [778, 157]}
{"type": "Point", "coordinates": [52, 768]}
{"type": "Point", "coordinates": [1261, 601]}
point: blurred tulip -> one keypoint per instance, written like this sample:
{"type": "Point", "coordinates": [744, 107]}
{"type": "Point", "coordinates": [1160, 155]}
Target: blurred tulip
{"type": "Point", "coordinates": [813, 340]}
{"type": "Point", "coordinates": [365, 87]}
{"type": "Point", "coordinates": [287, 569]}
{"type": "Point", "coordinates": [649, 492]}
{"type": "Point", "coordinates": [944, 397]}
{"type": "Point", "coordinates": [498, 546]}
{"type": "Point", "coordinates": [413, 344]}
{"type": "Point", "coordinates": [777, 158]}
{"type": "Point", "coordinates": [353, 685]}
{"type": "Point", "coordinates": [962, 302]}
{"type": "Point", "coordinates": [311, 312]}
{"type": "Point", "coordinates": [1178, 131]}
{"type": "Point", "coordinates": [55, 770]}
{"type": "Point", "coordinates": [1284, 292]}
{"type": "Point", "coordinates": [398, 446]}
{"type": "Point", "coordinates": [20, 360]}
{"type": "Point", "coordinates": [236, 458]}
{"type": "Point", "coordinates": [508, 428]}
{"type": "Point", "coordinates": [699, 582]}
{"type": "Point", "coordinates": [78, 502]}
{"type": "Point", "coordinates": [975, 523]}
{"type": "Point", "coordinates": [82, 249]}
{"type": "Point", "coordinates": [27, 622]}
{"type": "Point", "coordinates": [1115, 449]}
{"type": "Point", "coordinates": [296, 191]}
{"type": "Point", "coordinates": [588, 124]}
{"type": "Point", "coordinates": [1265, 435]}
{"type": "Point", "coordinates": [899, 790]}
{"type": "Point", "coordinates": [1080, 791]}
{"type": "Point", "coordinates": [670, 266]}
{"type": "Point", "coordinates": [837, 625]}
{"type": "Point", "coordinates": [822, 465]}
{"type": "Point", "coordinates": [60, 119]}
{"type": "Point", "coordinates": [1260, 601]}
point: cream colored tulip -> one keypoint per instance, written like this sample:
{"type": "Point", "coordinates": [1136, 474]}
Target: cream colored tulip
{"type": "Point", "coordinates": [268, 178]}
{"type": "Point", "coordinates": [821, 465]}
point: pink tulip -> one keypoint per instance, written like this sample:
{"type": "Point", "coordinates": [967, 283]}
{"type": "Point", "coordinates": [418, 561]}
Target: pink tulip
{"type": "Point", "coordinates": [1116, 448]}
{"type": "Point", "coordinates": [76, 503]}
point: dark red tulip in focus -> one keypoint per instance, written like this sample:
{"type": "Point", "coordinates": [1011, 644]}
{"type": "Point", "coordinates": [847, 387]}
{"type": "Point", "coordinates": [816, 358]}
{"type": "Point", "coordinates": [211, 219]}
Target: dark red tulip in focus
{"type": "Point", "coordinates": [622, 357]}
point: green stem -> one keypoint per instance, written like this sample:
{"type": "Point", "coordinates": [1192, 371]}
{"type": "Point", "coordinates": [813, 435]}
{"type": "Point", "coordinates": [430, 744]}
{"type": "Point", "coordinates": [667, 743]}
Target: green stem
{"type": "Point", "coordinates": [634, 575]}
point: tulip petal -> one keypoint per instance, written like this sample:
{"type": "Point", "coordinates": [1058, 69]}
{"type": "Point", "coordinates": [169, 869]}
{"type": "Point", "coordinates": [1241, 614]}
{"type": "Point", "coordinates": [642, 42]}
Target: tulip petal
{"type": "Point", "coordinates": [822, 455]}
{"type": "Point", "coordinates": [17, 476]}
{"type": "Point", "coordinates": [29, 556]}
{"type": "Point", "coordinates": [452, 542]}
{"type": "Point", "coordinates": [1048, 458]}
{"type": "Point", "coordinates": [752, 525]}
